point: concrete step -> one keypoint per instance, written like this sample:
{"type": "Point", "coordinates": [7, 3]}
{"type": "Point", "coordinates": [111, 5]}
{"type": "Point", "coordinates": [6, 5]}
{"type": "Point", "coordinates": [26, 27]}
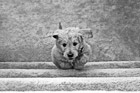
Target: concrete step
{"type": "Point", "coordinates": [70, 84]}
{"type": "Point", "coordinates": [26, 73]}
{"type": "Point", "coordinates": [50, 65]}
{"type": "Point", "coordinates": [41, 76]}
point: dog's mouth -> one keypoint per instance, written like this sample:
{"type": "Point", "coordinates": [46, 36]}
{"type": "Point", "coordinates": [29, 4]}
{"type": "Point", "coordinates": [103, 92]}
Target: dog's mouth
{"type": "Point", "coordinates": [70, 58]}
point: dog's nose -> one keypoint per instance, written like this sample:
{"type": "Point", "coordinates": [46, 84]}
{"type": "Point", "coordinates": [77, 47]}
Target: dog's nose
{"type": "Point", "coordinates": [70, 55]}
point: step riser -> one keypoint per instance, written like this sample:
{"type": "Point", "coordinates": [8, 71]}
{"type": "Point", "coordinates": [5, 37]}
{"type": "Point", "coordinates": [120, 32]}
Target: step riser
{"type": "Point", "coordinates": [50, 65]}
{"type": "Point", "coordinates": [8, 73]}
{"type": "Point", "coordinates": [27, 65]}
{"type": "Point", "coordinates": [70, 84]}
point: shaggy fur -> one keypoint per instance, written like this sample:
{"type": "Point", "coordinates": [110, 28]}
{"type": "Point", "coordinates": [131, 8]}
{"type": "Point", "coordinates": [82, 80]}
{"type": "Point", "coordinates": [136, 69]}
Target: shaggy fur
{"type": "Point", "coordinates": [70, 50]}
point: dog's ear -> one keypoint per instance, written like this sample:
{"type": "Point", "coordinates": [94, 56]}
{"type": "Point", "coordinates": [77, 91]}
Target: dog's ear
{"type": "Point", "coordinates": [86, 33]}
{"type": "Point", "coordinates": [60, 26]}
{"type": "Point", "coordinates": [80, 38]}
{"type": "Point", "coordinates": [55, 36]}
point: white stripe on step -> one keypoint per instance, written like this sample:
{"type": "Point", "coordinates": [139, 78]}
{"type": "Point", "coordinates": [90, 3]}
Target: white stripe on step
{"type": "Point", "coordinates": [71, 80]}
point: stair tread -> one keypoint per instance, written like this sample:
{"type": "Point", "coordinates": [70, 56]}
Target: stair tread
{"type": "Point", "coordinates": [135, 72]}
{"type": "Point", "coordinates": [50, 65]}
{"type": "Point", "coordinates": [102, 83]}
{"type": "Point", "coordinates": [30, 76]}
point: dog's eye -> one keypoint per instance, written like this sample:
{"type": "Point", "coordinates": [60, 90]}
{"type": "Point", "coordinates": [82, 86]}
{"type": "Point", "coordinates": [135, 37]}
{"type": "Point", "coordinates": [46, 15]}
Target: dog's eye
{"type": "Point", "coordinates": [64, 44]}
{"type": "Point", "coordinates": [75, 43]}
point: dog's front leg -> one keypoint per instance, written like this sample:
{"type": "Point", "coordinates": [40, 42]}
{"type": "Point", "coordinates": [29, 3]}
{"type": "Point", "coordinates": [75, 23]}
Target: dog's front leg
{"type": "Point", "coordinates": [63, 64]}
{"type": "Point", "coordinates": [83, 58]}
{"type": "Point", "coordinates": [79, 64]}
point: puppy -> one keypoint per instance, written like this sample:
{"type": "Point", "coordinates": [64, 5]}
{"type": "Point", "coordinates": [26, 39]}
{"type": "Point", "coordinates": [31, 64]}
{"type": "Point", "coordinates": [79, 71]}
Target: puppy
{"type": "Point", "coordinates": [71, 50]}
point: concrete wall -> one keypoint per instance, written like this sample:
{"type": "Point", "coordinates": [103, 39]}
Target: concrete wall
{"type": "Point", "coordinates": [24, 25]}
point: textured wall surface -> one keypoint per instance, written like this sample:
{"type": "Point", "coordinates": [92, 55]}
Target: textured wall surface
{"type": "Point", "coordinates": [24, 25]}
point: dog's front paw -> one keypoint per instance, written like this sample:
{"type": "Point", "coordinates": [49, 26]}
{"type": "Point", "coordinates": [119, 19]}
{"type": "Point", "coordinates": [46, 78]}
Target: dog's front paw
{"type": "Point", "coordinates": [79, 67]}
{"type": "Point", "coordinates": [79, 64]}
{"type": "Point", "coordinates": [64, 65]}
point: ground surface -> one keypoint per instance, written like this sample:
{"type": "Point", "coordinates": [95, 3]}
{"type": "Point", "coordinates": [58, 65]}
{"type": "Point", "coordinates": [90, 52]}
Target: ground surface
{"type": "Point", "coordinates": [44, 76]}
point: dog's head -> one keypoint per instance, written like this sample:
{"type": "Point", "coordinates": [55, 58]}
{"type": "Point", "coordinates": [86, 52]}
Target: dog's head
{"type": "Point", "coordinates": [70, 40]}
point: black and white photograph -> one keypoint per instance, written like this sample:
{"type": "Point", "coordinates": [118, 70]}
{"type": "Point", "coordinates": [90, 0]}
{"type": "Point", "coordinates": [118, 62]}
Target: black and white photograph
{"type": "Point", "coordinates": [70, 45]}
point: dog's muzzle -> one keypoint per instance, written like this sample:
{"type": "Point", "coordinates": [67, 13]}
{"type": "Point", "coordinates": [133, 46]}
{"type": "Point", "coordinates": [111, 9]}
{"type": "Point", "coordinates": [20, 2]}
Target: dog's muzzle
{"type": "Point", "coordinates": [70, 55]}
